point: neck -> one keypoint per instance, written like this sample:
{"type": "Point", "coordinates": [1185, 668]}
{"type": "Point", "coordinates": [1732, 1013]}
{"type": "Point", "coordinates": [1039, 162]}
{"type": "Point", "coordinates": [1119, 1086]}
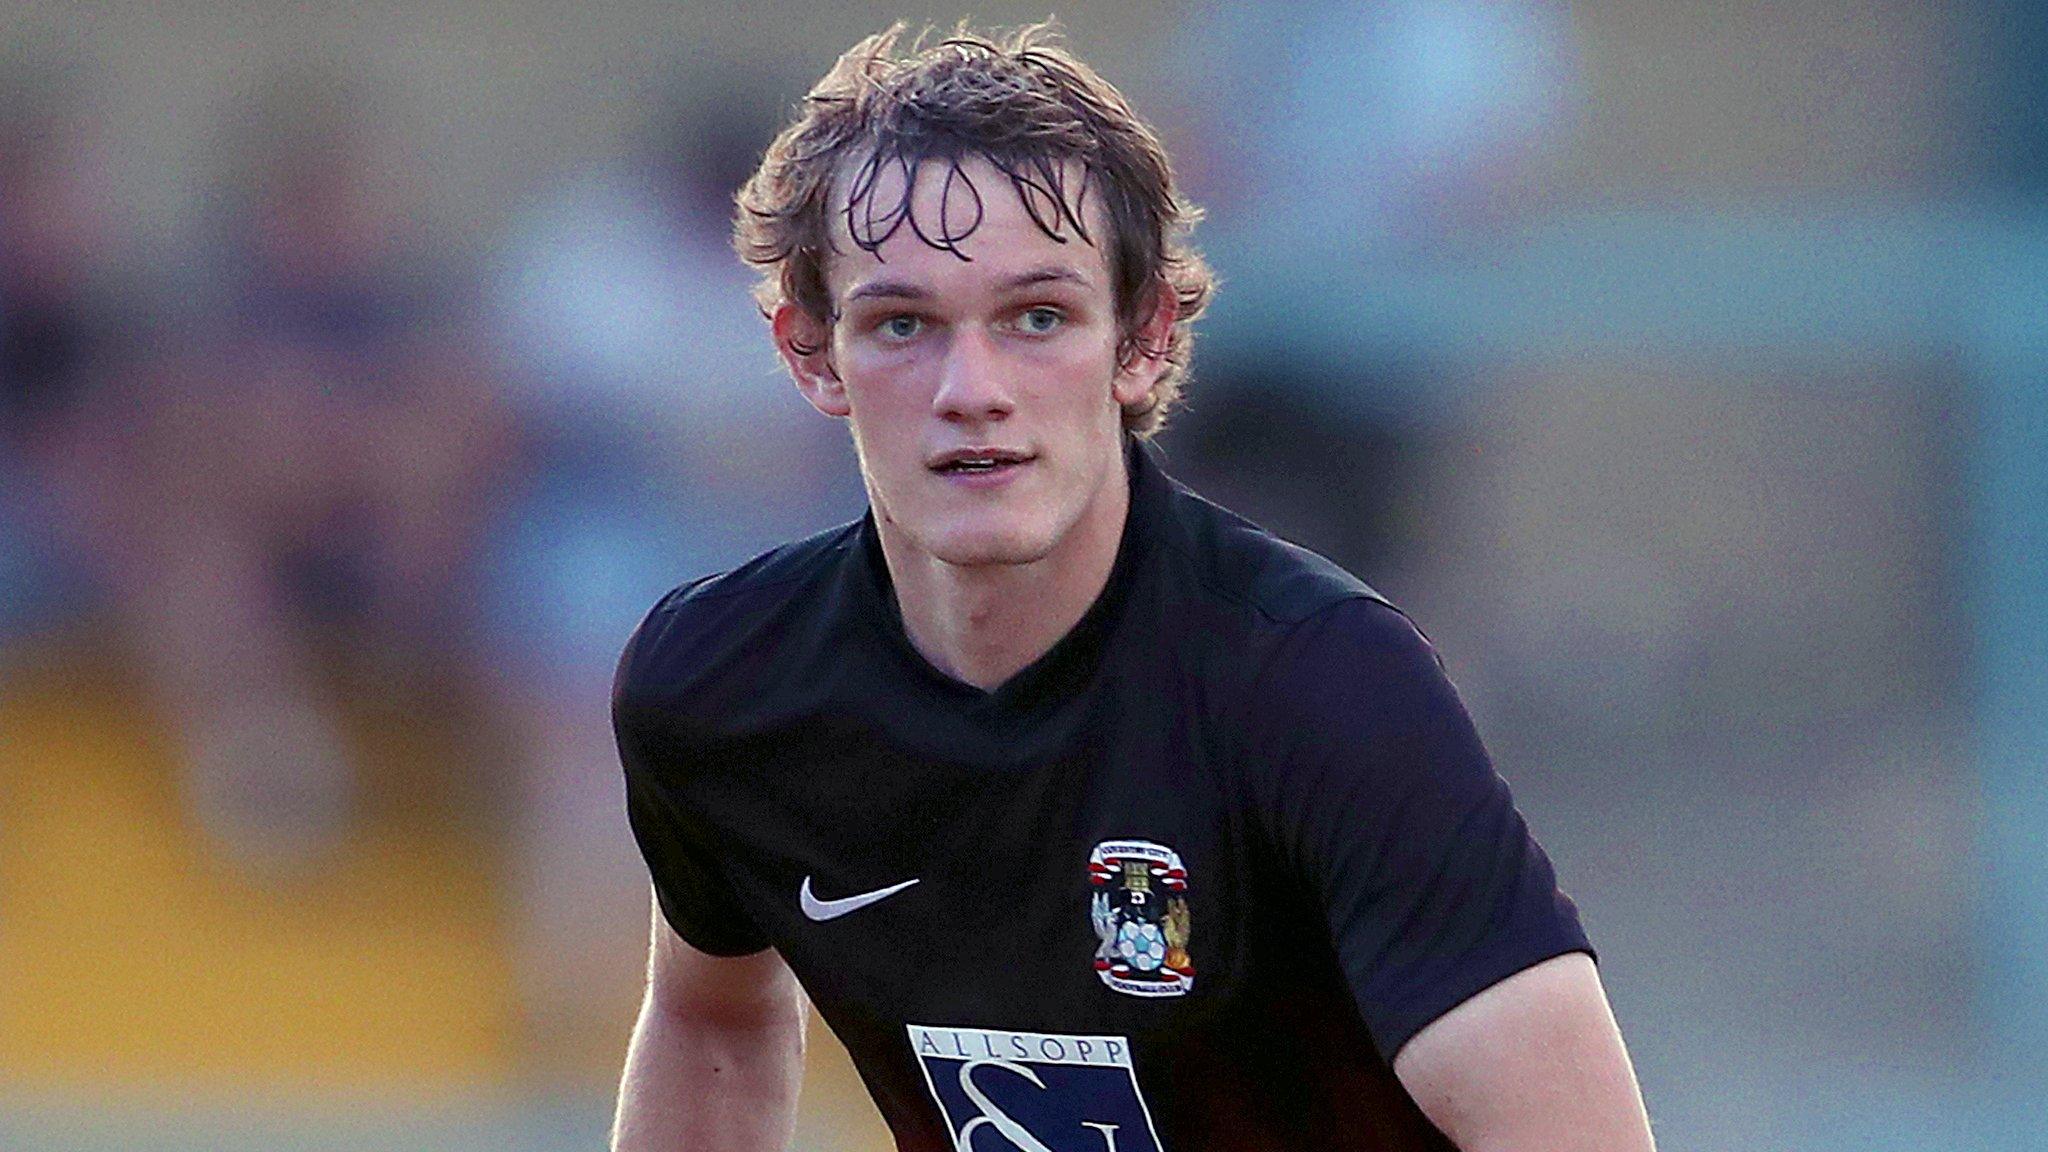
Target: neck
{"type": "Point", "coordinates": [982, 624]}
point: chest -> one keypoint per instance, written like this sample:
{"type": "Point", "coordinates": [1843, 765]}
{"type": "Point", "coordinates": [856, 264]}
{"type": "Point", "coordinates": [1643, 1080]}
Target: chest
{"type": "Point", "coordinates": [1106, 882]}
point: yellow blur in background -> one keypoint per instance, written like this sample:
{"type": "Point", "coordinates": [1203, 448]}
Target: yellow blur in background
{"type": "Point", "coordinates": [134, 954]}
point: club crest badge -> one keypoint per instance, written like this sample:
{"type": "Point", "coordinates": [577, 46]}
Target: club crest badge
{"type": "Point", "coordinates": [1138, 907]}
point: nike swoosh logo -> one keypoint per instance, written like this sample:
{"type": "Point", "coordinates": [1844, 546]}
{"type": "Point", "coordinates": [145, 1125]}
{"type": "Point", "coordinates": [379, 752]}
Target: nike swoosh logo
{"type": "Point", "coordinates": [823, 910]}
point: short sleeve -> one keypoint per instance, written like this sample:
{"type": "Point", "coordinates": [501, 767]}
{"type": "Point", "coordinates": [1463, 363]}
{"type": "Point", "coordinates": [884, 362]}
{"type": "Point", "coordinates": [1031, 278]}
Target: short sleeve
{"type": "Point", "coordinates": [1380, 796]}
{"type": "Point", "coordinates": [680, 852]}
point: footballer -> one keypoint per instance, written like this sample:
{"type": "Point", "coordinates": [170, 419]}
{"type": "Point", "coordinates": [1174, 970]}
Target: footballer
{"type": "Point", "coordinates": [1091, 817]}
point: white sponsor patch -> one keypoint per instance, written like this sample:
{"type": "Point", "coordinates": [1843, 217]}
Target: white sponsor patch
{"type": "Point", "coordinates": [1034, 1091]}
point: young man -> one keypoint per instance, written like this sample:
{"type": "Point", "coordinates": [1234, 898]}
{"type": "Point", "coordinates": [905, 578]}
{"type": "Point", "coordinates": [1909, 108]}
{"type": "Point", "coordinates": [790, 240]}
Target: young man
{"type": "Point", "coordinates": [1091, 817]}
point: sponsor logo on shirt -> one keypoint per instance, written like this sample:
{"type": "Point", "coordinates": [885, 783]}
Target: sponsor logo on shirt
{"type": "Point", "coordinates": [1139, 909]}
{"type": "Point", "coordinates": [1033, 1091]}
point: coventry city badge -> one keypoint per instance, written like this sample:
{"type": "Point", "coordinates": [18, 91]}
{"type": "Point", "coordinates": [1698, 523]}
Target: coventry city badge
{"type": "Point", "coordinates": [1139, 909]}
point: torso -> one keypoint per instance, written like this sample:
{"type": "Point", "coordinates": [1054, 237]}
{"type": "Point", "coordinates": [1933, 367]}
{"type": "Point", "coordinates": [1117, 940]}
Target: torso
{"type": "Point", "coordinates": [1102, 947]}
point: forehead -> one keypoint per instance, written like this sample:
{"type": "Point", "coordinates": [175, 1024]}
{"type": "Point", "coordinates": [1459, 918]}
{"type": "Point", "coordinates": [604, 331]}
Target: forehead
{"type": "Point", "coordinates": [945, 224]}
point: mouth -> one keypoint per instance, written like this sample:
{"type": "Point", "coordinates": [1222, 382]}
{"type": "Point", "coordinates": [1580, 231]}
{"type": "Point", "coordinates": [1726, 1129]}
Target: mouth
{"type": "Point", "coordinates": [979, 461]}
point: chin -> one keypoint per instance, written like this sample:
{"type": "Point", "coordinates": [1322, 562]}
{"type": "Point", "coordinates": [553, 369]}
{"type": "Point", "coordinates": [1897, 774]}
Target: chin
{"type": "Point", "coordinates": [983, 545]}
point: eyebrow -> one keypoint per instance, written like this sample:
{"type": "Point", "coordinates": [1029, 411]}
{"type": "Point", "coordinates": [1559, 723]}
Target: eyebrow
{"type": "Point", "coordinates": [888, 290]}
{"type": "Point", "coordinates": [904, 290]}
{"type": "Point", "coordinates": [1046, 273]}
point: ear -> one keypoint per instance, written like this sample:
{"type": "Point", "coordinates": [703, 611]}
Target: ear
{"type": "Point", "coordinates": [805, 343]}
{"type": "Point", "coordinates": [1143, 359]}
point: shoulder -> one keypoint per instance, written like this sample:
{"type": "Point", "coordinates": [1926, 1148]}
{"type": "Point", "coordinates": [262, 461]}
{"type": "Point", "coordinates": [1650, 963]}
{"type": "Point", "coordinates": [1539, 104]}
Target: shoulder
{"type": "Point", "coordinates": [1239, 562]}
{"type": "Point", "coordinates": [1355, 661]}
{"type": "Point", "coordinates": [1352, 712]}
{"type": "Point", "coordinates": [732, 621]}
{"type": "Point", "coordinates": [1300, 635]}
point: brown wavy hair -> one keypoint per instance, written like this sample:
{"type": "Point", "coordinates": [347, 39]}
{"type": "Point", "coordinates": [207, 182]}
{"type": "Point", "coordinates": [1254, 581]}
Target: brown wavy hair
{"type": "Point", "coordinates": [1028, 107]}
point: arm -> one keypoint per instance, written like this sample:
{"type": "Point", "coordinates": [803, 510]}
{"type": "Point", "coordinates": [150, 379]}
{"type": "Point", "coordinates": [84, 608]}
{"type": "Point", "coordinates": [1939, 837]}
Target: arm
{"type": "Point", "coordinates": [717, 1055]}
{"type": "Point", "coordinates": [1534, 1063]}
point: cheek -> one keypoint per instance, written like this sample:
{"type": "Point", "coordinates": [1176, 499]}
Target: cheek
{"type": "Point", "coordinates": [1074, 376]}
{"type": "Point", "coordinates": [883, 385]}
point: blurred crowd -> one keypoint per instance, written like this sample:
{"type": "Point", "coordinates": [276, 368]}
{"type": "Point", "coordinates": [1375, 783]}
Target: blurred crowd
{"type": "Point", "coordinates": [301, 447]}
{"type": "Point", "coordinates": [330, 463]}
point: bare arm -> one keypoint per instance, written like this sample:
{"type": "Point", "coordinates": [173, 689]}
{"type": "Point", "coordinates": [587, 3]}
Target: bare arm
{"type": "Point", "coordinates": [717, 1055]}
{"type": "Point", "coordinates": [1534, 1064]}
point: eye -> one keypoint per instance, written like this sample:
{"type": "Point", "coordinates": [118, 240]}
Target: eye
{"type": "Point", "coordinates": [1039, 321]}
{"type": "Point", "coordinates": [901, 327]}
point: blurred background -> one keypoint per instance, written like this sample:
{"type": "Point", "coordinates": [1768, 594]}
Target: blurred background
{"type": "Point", "coordinates": [367, 370]}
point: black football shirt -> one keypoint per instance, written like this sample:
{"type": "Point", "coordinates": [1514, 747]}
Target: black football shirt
{"type": "Point", "coordinates": [1187, 882]}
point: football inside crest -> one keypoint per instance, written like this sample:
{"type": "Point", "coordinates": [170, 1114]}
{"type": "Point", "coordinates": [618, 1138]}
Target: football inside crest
{"type": "Point", "coordinates": [1138, 907]}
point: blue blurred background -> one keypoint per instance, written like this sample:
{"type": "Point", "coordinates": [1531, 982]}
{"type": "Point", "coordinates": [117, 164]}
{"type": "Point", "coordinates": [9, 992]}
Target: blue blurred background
{"type": "Point", "coordinates": [366, 370]}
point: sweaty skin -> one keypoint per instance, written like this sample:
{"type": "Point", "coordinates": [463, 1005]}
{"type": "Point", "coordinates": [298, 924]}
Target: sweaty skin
{"type": "Point", "coordinates": [1011, 353]}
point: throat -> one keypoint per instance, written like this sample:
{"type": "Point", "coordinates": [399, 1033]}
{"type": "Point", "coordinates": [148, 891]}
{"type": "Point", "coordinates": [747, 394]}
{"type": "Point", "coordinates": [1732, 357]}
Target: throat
{"type": "Point", "coordinates": [983, 626]}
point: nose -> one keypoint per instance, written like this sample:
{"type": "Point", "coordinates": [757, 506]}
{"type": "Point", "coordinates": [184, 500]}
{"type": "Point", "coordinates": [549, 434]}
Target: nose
{"type": "Point", "coordinates": [972, 380]}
